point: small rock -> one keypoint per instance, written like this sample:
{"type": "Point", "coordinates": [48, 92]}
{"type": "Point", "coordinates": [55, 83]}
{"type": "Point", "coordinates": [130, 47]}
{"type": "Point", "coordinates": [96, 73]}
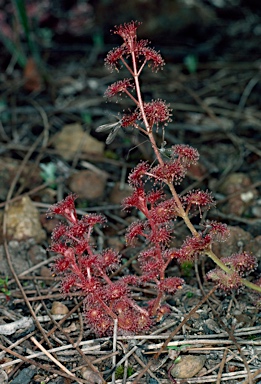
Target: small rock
{"type": "Point", "coordinates": [59, 308]}
{"type": "Point", "coordinates": [254, 247]}
{"type": "Point", "coordinates": [197, 171]}
{"type": "Point", "coordinates": [49, 223]}
{"type": "Point", "coordinates": [188, 367]}
{"type": "Point", "coordinates": [20, 256]}
{"type": "Point", "coordinates": [87, 184]}
{"type": "Point", "coordinates": [46, 272]}
{"type": "Point", "coordinates": [237, 240]}
{"type": "Point", "coordinates": [210, 327]}
{"type": "Point", "coordinates": [23, 221]}
{"type": "Point", "coordinates": [256, 209]}
{"type": "Point", "coordinates": [72, 139]}
{"type": "Point", "coordinates": [235, 182]}
{"type": "Point", "coordinates": [91, 376]}
{"type": "Point", "coordinates": [25, 375]}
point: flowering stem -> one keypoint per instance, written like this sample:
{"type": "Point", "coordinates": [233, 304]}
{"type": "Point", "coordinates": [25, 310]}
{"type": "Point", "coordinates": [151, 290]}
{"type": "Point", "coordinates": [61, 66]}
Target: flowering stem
{"type": "Point", "coordinates": [182, 212]}
{"type": "Point", "coordinates": [155, 148]}
{"type": "Point", "coordinates": [137, 85]}
{"type": "Point", "coordinates": [217, 261]}
{"type": "Point", "coordinates": [131, 97]}
{"type": "Point", "coordinates": [142, 66]}
{"type": "Point", "coordinates": [127, 66]}
{"type": "Point", "coordinates": [251, 285]}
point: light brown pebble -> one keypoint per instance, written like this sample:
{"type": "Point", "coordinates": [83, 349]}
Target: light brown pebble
{"type": "Point", "coordinates": [87, 184]}
{"type": "Point", "coordinates": [91, 376]}
{"type": "Point", "coordinates": [59, 308]}
{"type": "Point", "coordinates": [188, 367]}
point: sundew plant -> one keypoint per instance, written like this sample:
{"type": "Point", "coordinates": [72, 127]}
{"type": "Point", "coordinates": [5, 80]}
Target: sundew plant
{"type": "Point", "coordinates": [85, 270]}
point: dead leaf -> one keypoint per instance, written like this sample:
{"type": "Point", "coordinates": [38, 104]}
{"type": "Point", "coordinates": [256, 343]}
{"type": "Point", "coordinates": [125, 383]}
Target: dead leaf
{"type": "Point", "coordinates": [72, 139]}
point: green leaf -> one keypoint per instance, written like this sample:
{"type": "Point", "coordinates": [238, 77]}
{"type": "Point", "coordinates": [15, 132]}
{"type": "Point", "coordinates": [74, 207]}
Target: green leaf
{"type": "Point", "coordinates": [49, 173]}
{"type": "Point", "coordinates": [20, 6]}
{"type": "Point", "coordinates": [177, 348]}
{"type": "Point", "coordinates": [120, 371]}
{"type": "Point", "coordinates": [191, 63]}
{"type": "Point", "coordinates": [22, 15]}
{"type": "Point", "coordinates": [186, 268]}
{"type": "Point", "coordinates": [86, 117]}
{"type": "Point", "coordinates": [98, 40]}
{"type": "Point", "coordinates": [15, 50]}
